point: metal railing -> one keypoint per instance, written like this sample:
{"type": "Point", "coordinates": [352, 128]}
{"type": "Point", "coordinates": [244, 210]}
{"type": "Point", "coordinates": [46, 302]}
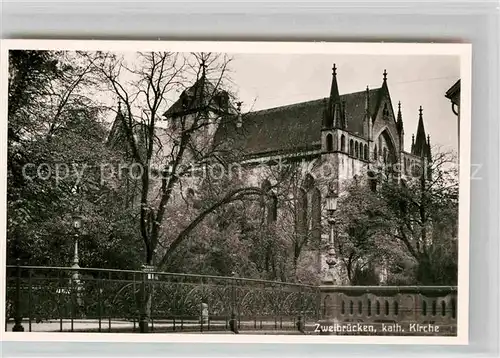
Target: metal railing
{"type": "Point", "coordinates": [104, 300]}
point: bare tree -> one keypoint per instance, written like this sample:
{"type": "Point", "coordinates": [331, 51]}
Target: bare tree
{"type": "Point", "coordinates": [144, 90]}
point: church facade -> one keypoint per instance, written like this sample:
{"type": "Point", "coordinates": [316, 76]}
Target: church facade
{"type": "Point", "coordinates": [335, 139]}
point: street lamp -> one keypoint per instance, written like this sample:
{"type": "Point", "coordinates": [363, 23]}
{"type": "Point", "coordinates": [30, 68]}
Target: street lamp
{"type": "Point", "coordinates": [77, 222]}
{"type": "Point", "coordinates": [75, 276]}
{"type": "Point", "coordinates": [77, 225]}
{"type": "Point", "coordinates": [331, 208]}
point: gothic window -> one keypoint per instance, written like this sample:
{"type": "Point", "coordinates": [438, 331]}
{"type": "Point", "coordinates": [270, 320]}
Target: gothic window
{"type": "Point", "coordinates": [269, 203]}
{"type": "Point", "coordinates": [184, 100]}
{"type": "Point", "coordinates": [356, 150]}
{"type": "Point", "coordinates": [316, 215]}
{"type": "Point", "coordinates": [385, 112]}
{"type": "Point", "coordinates": [351, 147]}
{"type": "Point", "coordinates": [386, 148]}
{"type": "Point", "coordinates": [372, 181]}
{"type": "Point", "coordinates": [342, 143]}
{"type": "Point", "coordinates": [375, 153]}
{"type": "Point", "coordinates": [366, 152]}
{"type": "Point", "coordinates": [329, 143]}
{"type": "Point", "coordinates": [309, 210]}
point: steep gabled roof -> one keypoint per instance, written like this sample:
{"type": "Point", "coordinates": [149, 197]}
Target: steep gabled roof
{"type": "Point", "coordinates": [292, 127]}
{"type": "Point", "coordinates": [202, 94]}
{"type": "Point", "coordinates": [453, 91]}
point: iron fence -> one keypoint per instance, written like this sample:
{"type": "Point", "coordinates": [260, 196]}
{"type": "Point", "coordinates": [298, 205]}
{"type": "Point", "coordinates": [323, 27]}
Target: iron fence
{"type": "Point", "coordinates": [103, 300]}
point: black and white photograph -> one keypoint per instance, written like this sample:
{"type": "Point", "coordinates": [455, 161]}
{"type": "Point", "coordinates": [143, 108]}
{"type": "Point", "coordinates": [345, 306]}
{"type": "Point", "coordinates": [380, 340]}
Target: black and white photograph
{"type": "Point", "coordinates": [181, 189]}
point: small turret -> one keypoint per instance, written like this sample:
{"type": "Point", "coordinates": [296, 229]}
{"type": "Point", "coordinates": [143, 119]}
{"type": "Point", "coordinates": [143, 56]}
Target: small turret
{"type": "Point", "coordinates": [239, 119]}
{"type": "Point", "coordinates": [399, 127]}
{"type": "Point", "coordinates": [420, 146]}
{"type": "Point", "coordinates": [334, 111]}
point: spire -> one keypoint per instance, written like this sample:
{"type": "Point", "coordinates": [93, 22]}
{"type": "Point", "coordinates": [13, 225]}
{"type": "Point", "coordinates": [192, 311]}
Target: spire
{"type": "Point", "coordinates": [399, 121]}
{"type": "Point", "coordinates": [412, 142]}
{"type": "Point", "coordinates": [119, 112]}
{"type": "Point", "coordinates": [429, 153]}
{"type": "Point", "coordinates": [203, 77]}
{"type": "Point", "coordinates": [366, 122]}
{"type": "Point", "coordinates": [367, 100]}
{"type": "Point", "coordinates": [343, 118]}
{"type": "Point", "coordinates": [420, 147]}
{"type": "Point", "coordinates": [385, 75]}
{"type": "Point", "coordinates": [334, 112]}
{"type": "Point", "coordinates": [203, 67]}
{"type": "Point", "coordinates": [239, 119]}
{"type": "Point", "coordinates": [334, 90]}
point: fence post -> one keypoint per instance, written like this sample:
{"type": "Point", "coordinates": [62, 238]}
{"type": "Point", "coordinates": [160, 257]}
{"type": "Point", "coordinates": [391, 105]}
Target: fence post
{"type": "Point", "coordinates": [233, 325]}
{"type": "Point", "coordinates": [18, 327]}
{"type": "Point", "coordinates": [300, 322]}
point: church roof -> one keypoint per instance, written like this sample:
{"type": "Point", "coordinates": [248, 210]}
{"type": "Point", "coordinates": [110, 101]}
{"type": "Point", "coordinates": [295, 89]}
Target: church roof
{"type": "Point", "coordinates": [292, 127]}
{"type": "Point", "coordinates": [203, 93]}
{"type": "Point", "coordinates": [454, 91]}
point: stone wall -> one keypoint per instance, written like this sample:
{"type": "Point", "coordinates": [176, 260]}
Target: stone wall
{"type": "Point", "coordinates": [415, 309]}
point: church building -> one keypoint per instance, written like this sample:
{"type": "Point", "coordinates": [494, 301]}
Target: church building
{"type": "Point", "coordinates": [336, 138]}
{"type": "Point", "coordinates": [332, 140]}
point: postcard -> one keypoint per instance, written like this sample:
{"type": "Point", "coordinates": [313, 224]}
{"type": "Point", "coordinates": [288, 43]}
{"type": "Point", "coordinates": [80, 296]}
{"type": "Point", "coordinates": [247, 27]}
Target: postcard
{"type": "Point", "coordinates": [235, 191]}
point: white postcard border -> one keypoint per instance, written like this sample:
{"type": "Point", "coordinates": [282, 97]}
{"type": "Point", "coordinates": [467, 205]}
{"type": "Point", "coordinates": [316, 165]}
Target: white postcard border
{"type": "Point", "coordinates": [462, 50]}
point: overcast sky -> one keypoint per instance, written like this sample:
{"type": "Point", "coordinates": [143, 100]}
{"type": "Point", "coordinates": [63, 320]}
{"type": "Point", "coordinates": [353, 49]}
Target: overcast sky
{"type": "Point", "coordinates": [266, 81]}
{"type": "Point", "coordinates": [269, 80]}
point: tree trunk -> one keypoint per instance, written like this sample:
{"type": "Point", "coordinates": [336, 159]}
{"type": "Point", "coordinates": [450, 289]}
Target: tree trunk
{"type": "Point", "coordinates": [146, 299]}
{"type": "Point", "coordinates": [145, 318]}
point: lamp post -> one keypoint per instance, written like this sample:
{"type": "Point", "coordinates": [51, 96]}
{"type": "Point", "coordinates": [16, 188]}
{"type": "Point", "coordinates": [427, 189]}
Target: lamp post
{"type": "Point", "coordinates": [75, 275]}
{"type": "Point", "coordinates": [77, 225]}
{"type": "Point", "coordinates": [331, 208]}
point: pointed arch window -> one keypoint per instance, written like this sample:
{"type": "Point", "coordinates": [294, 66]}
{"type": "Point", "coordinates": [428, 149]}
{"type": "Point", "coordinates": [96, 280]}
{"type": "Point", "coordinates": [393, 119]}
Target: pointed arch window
{"type": "Point", "coordinates": [309, 213]}
{"type": "Point", "coordinates": [375, 152]}
{"type": "Point", "coordinates": [329, 142]}
{"type": "Point", "coordinates": [269, 203]}
{"type": "Point", "coordinates": [342, 143]}
{"type": "Point", "coordinates": [366, 152]}
{"type": "Point", "coordinates": [385, 112]}
{"type": "Point", "coordinates": [372, 181]}
{"type": "Point", "coordinates": [356, 150]}
{"type": "Point", "coordinates": [351, 147]}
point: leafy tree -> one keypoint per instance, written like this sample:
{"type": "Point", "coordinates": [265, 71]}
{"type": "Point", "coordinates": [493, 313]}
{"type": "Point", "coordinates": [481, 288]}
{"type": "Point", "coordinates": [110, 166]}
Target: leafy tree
{"type": "Point", "coordinates": [55, 149]}
{"type": "Point", "coordinates": [424, 212]}
{"type": "Point", "coordinates": [407, 227]}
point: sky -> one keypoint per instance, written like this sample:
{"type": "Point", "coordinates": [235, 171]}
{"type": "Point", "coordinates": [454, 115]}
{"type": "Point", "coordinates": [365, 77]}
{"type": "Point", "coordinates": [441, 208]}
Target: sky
{"type": "Point", "coordinates": [264, 81]}
{"type": "Point", "coordinates": [267, 80]}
